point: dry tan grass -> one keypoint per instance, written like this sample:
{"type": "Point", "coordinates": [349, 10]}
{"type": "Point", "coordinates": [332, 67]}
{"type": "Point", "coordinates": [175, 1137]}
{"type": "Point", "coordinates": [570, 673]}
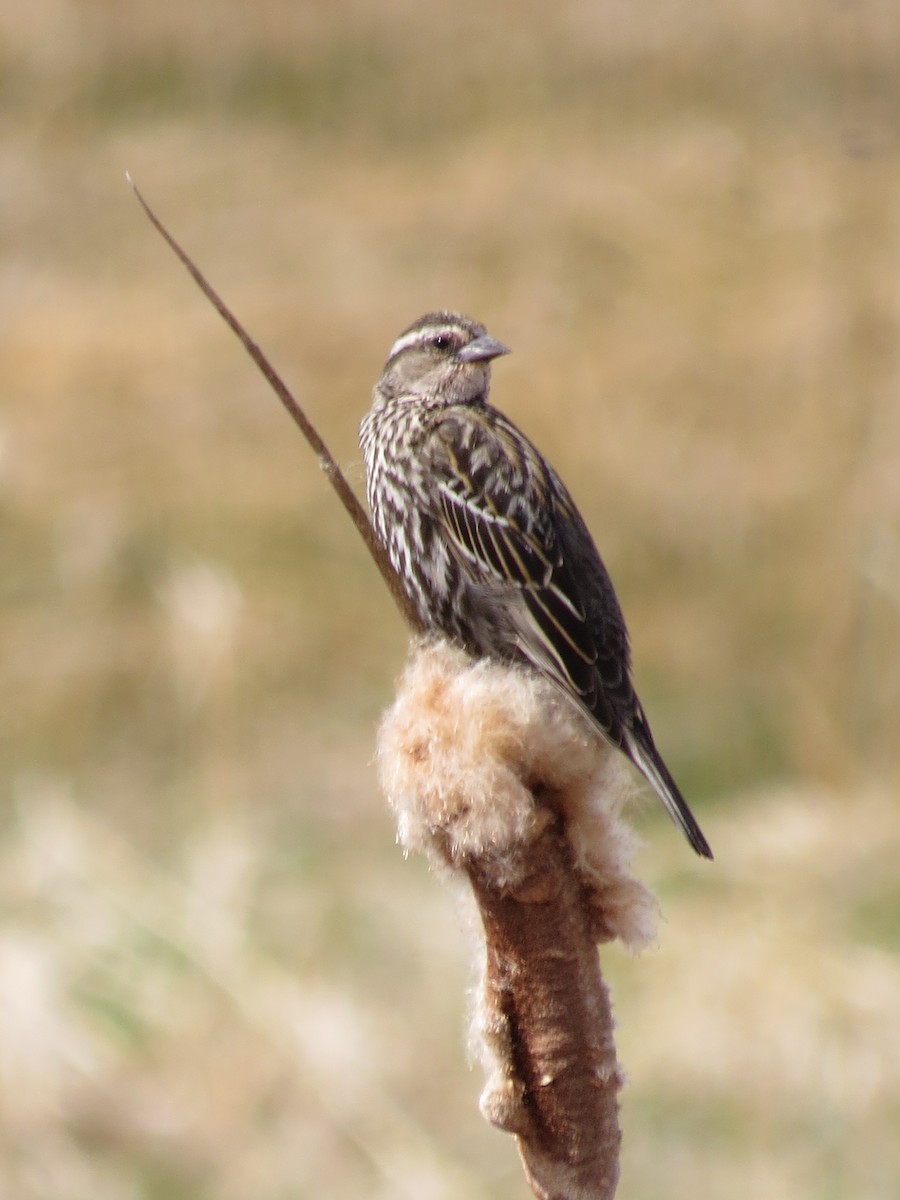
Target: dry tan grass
{"type": "Point", "coordinates": [217, 978]}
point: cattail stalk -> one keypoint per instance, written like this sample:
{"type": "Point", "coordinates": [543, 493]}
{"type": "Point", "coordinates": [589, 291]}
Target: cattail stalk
{"type": "Point", "coordinates": [494, 775]}
{"type": "Point", "coordinates": [498, 778]}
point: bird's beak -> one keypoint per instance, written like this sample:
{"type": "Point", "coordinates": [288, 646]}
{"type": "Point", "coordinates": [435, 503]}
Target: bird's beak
{"type": "Point", "coordinates": [483, 349]}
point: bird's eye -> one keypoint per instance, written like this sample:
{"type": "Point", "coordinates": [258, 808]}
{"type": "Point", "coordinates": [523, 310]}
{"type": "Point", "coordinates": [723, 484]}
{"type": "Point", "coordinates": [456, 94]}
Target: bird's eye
{"type": "Point", "coordinates": [442, 341]}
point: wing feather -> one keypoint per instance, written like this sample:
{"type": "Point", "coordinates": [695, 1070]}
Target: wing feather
{"type": "Point", "coordinates": [500, 518]}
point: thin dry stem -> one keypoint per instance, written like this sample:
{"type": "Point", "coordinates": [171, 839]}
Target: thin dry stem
{"type": "Point", "coordinates": [336, 477]}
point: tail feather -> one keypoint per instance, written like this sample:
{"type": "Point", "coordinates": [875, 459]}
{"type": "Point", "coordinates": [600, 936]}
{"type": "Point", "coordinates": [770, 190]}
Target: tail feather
{"type": "Point", "coordinates": [638, 745]}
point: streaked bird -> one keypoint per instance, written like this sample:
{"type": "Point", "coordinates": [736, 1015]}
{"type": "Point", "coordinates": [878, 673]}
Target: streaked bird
{"type": "Point", "coordinates": [488, 542]}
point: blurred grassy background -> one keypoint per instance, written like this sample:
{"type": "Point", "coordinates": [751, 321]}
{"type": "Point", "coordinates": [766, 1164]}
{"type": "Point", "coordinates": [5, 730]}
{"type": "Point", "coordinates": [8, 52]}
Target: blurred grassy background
{"type": "Point", "coordinates": [217, 976]}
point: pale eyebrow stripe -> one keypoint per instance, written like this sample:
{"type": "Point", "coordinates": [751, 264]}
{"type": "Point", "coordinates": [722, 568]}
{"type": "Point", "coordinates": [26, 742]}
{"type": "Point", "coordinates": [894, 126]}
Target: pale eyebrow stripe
{"type": "Point", "coordinates": [416, 337]}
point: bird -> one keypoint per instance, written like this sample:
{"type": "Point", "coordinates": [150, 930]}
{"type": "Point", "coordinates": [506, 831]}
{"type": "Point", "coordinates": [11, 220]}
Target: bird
{"type": "Point", "coordinates": [488, 543]}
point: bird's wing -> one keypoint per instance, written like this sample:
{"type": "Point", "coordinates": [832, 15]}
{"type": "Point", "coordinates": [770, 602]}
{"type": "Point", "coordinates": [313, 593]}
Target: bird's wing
{"type": "Point", "coordinates": [504, 514]}
{"type": "Point", "coordinates": [513, 527]}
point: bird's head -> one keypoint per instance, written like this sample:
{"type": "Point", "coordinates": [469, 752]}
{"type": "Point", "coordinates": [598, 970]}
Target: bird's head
{"type": "Point", "coordinates": [444, 356]}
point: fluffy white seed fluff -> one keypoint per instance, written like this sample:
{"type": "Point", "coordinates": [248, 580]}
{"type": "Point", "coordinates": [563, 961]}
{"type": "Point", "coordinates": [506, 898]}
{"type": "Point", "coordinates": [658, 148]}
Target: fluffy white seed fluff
{"type": "Point", "coordinates": [475, 759]}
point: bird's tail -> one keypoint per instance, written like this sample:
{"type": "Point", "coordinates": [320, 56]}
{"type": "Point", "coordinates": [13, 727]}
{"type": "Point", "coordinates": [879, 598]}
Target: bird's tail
{"type": "Point", "coordinates": [638, 745]}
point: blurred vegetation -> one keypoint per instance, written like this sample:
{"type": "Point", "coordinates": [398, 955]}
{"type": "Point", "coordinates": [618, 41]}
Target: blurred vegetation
{"type": "Point", "coordinates": [217, 977]}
